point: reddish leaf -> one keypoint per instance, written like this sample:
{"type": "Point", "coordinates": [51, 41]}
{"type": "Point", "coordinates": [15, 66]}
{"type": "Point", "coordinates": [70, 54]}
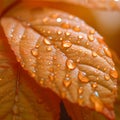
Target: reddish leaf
{"type": "Point", "coordinates": [64, 54]}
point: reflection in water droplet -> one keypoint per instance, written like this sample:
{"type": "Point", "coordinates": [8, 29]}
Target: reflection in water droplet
{"type": "Point", "coordinates": [47, 42]}
{"type": "Point", "coordinates": [59, 20]}
{"type": "Point", "coordinates": [107, 77]}
{"type": "Point", "coordinates": [80, 37]}
{"type": "Point", "coordinates": [59, 32]}
{"type": "Point", "coordinates": [49, 49]}
{"type": "Point", "coordinates": [82, 77]}
{"type": "Point", "coordinates": [80, 90]}
{"type": "Point", "coordinates": [42, 81]}
{"type": "Point", "coordinates": [91, 38]}
{"type": "Point", "coordinates": [94, 85]}
{"type": "Point", "coordinates": [97, 103]}
{"type": "Point", "coordinates": [114, 73]}
{"type": "Point", "coordinates": [51, 76]}
{"type": "Point", "coordinates": [65, 25]}
{"type": "Point", "coordinates": [76, 28]}
{"type": "Point", "coordinates": [45, 20]}
{"type": "Point", "coordinates": [94, 54]}
{"type": "Point", "coordinates": [92, 31]}
{"type": "Point", "coordinates": [66, 44]}
{"type": "Point", "coordinates": [67, 33]}
{"type": "Point", "coordinates": [107, 52]}
{"type": "Point", "coordinates": [34, 52]}
{"type": "Point", "coordinates": [80, 100]}
{"type": "Point", "coordinates": [70, 64]}
{"type": "Point", "coordinates": [67, 82]}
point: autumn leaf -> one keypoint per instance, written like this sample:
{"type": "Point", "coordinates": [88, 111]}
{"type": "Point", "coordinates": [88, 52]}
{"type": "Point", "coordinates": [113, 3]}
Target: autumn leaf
{"type": "Point", "coordinates": [20, 97]}
{"type": "Point", "coordinates": [63, 53]}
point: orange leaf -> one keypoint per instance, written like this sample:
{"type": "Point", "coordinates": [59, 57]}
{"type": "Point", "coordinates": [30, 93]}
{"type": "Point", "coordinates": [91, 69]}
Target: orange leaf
{"type": "Point", "coordinates": [64, 54]}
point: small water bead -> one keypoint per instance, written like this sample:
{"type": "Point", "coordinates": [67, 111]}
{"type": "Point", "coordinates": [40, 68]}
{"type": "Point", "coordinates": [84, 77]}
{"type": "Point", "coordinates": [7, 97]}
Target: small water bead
{"type": "Point", "coordinates": [80, 90]}
{"type": "Point", "coordinates": [45, 20]}
{"type": "Point", "coordinates": [67, 82]}
{"type": "Point", "coordinates": [91, 37]}
{"type": "Point", "coordinates": [66, 44]}
{"type": "Point", "coordinates": [51, 76]}
{"type": "Point", "coordinates": [76, 28]}
{"type": "Point", "coordinates": [97, 103]}
{"type": "Point", "coordinates": [78, 60]}
{"type": "Point", "coordinates": [94, 54]}
{"type": "Point", "coordinates": [82, 77]}
{"type": "Point", "coordinates": [49, 49]}
{"type": "Point", "coordinates": [47, 42]}
{"type": "Point", "coordinates": [65, 25]}
{"type": "Point", "coordinates": [107, 77]}
{"type": "Point", "coordinates": [34, 52]}
{"type": "Point", "coordinates": [41, 81]}
{"type": "Point", "coordinates": [80, 100]}
{"type": "Point", "coordinates": [61, 38]}
{"type": "Point", "coordinates": [67, 33]}
{"type": "Point", "coordinates": [96, 93]}
{"type": "Point", "coordinates": [94, 85]}
{"type": "Point", "coordinates": [59, 32]}
{"type": "Point", "coordinates": [48, 31]}
{"type": "Point", "coordinates": [92, 31]}
{"type": "Point", "coordinates": [107, 52]}
{"type": "Point", "coordinates": [37, 45]}
{"type": "Point", "coordinates": [70, 64]}
{"type": "Point", "coordinates": [80, 37]}
{"type": "Point", "coordinates": [114, 73]}
{"type": "Point", "coordinates": [59, 20]}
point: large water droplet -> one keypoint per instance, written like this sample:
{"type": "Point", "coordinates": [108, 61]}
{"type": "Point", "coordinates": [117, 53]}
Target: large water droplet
{"type": "Point", "coordinates": [114, 73]}
{"type": "Point", "coordinates": [80, 37]}
{"type": "Point", "coordinates": [67, 33]}
{"type": "Point", "coordinates": [97, 103]}
{"type": "Point", "coordinates": [107, 52]}
{"type": "Point", "coordinates": [91, 37]}
{"type": "Point", "coordinates": [59, 32]}
{"type": "Point", "coordinates": [67, 82]}
{"type": "Point", "coordinates": [49, 49]}
{"type": "Point", "coordinates": [47, 42]}
{"type": "Point", "coordinates": [45, 20]}
{"type": "Point", "coordinates": [70, 64]}
{"type": "Point", "coordinates": [92, 31]}
{"type": "Point", "coordinates": [82, 77]}
{"type": "Point", "coordinates": [76, 28]}
{"type": "Point", "coordinates": [34, 52]}
{"type": "Point", "coordinates": [66, 44]}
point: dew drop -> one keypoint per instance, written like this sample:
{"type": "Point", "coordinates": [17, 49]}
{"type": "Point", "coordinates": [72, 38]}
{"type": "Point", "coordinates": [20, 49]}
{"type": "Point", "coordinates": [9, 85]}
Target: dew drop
{"type": "Point", "coordinates": [59, 32]}
{"type": "Point", "coordinates": [51, 76]}
{"type": "Point", "coordinates": [91, 38]}
{"type": "Point", "coordinates": [59, 20]}
{"type": "Point", "coordinates": [94, 54]}
{"type": "Point", "coordinates": [11, 35]}
{"type": "Point", "coordinates": [66, 44]}
{"type": "Point", "coordinates": [80, 90]}
{"type": "Point", "coordinates": [67, 33]}
{"type": "Point", "coordinates": [47, 42]}
{"type": "Point", "coordinates": [67, 82]}
{"type": "Point", "coordinates": [78, 60]}
{"type": "Point", "coordinates": [70, 64]}
{"type": "Point", "coordinates": [76, 28]}
{"type": "Point", "coordinates": [33, 74]}
{"type": "Point", "coordinates": [82, 77]}
{"type": "Point", "coordinates": [107, 52]}
{"type": "Point", "coordinates": [94, 85]}
{"type": "Point", "coordinates": [49, 49]}
{"type": "Point", "coordinates": [61, 38]}
{"type": "Point", "coordinates": [34, 52]}
{"type": "Point", "coordinates": [42, 81]}
{"type": "Point", "coordinates": [80, 37]}
{"type": "Point", "coordinates": [48, 31]}
{"type": "Point", "coordinates": [107, 77]}
{"type": "Point", "coordinates": [65, 25]}
{"type": "Point", "coordinates": [80, 100]}
{"type": "Point", "coordinates": [92, 31]}
{"type": "Point", "coordinates": [45, 20]}
{"type": "Point", "coordinates": [97, 103]}
{"type": "Point", "coordinates": [54, 57]}
{"type": "Point", "coordinates": [114, 73]}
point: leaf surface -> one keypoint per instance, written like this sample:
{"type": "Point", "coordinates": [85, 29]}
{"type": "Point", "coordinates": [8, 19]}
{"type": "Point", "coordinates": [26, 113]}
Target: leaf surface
{"type": "Point", "coordinates": [63, 53]}
{"type": "Point", "coordinates": [20, 97]}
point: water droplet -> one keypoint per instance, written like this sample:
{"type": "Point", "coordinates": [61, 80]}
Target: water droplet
{"type": "Point", "coordinates": [76, 28]}
{"type": "Point", "coordinates": [51, 76]}
{"type": "Point", "coordinates": [71, 17]}
{"type": "Point", "coordinates": [46, 41]}
{"type": "Point", "coordinates": [97, 78]}
{"type": "Point", "coordinates": [65, 25]}
{"type": "Point", "coordinates": [91, 38]}
{"type": "Point", "coordinates": [78, 60]}
{"type": "Point", "coordinates": [66, 44]}
{"type": "Point", "coordinates": [59, 20]}
{"type": "Point", "coordinates": [82, 77]}
{"type": "Point", "coordinates": [107, 77]}
{"type": "Point", "coordinates": [107, 52]}
{"type": "Point", "coordinates": [11, 35]}
{"type": "Point", "coordinates": [37, 45]}
{"type": "Point", "coordinates": [70, 64]}
{"type": "Point", "coordinates": [80, 100]}
{"type": "Point", "coordinates": [92, 31]}
{"type": "Point", "coordinates": [94, 85]}
{"type": "Point", "coordinates": [67, 82]}
{"type": "Point", "coordinates": [34, 52]}
{"type": "Point", "coordinates": [114, 73]}
{"type": "Point", "coordinates": [59, 32]}
{"type": "Point", "coordinates": [15, 109]}
{"type": "Point", "coordinates": [94, 54]}
{"type": "Point", "coordinates": [54, 57]}
{"type": "Point", "coordinates": [80, 90]}
{"type": "Point", "coordinates": [80, 37]}
{"type": "Point", "coordinates": [45, 20]}
{"type": "Point", "coordinates": [42, 81]}
{"type": "Point", "coordinates": [49, 49]}
{"type": "Point", "coordinates": [97, 103]}
{"type": "Point", "coordinates": [67, 33]}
